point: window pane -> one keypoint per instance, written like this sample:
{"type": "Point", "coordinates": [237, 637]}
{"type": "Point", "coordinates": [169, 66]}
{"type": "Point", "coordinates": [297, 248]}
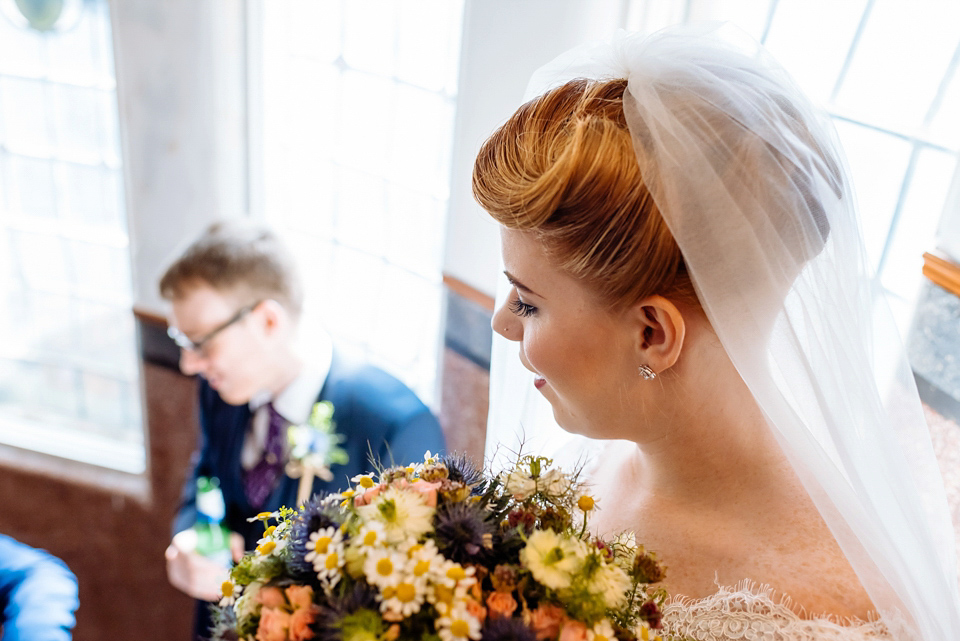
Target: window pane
{"type": "Point", "coordinates": [900, 62]}
{"type": "Point", "coordinates": [357, 132]}
{"type": "Point", "coordinates": [815, 68]}
{"type": "Point", "coordinates": [70, 357]}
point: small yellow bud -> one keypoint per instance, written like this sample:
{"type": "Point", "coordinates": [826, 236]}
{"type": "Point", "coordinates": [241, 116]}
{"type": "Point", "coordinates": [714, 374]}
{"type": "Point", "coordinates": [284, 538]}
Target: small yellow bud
{"type": "Point", "coordinates": [586, 503]}
{"type": "Point", "coordinates": [227, 588]}
{"type": "Point", "coordinates": [366, 482]}
{"type": "Point", "coordinates": [456, 573]}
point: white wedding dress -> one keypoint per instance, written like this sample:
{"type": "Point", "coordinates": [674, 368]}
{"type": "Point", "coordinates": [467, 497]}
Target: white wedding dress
{"type": "Point", "coordinates": [752, 613]}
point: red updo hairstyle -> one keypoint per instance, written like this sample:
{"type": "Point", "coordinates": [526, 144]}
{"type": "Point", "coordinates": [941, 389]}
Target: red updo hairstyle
{"type": "Point", "coordinates": [564, 167]}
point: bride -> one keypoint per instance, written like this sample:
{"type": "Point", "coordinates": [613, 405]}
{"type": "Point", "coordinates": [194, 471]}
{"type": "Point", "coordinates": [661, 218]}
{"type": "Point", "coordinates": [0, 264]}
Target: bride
{"type": "Point", "coordinates": [688, 277]}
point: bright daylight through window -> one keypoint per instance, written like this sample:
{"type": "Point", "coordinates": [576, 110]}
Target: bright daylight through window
{"type": "Point", "coordinates": [69, 377]}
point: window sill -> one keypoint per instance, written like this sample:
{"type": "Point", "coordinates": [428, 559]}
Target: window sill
{"type": "Point", "coordinates": [74, 456]}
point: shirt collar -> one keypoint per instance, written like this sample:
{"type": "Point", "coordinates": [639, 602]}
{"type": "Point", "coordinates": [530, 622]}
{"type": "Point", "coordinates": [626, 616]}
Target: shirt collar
{"type": "Point", "coordinates": [296, 400]}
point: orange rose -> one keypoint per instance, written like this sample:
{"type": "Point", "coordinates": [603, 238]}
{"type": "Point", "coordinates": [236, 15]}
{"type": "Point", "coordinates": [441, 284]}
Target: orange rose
{"type": "Point", "coordinates": [271, 597]}
{"type": "Point", "coordinates": [273, 625]}
{"type": "Point", "coordinates": [501, 604]}
{"type": "Point", "coordinates": [573, 631]}
{"type": "Point", "coordinates": [368, 496]}
{"type": "Point", "coordinates": [300, 622]}
{"type": "Point", "coordinates": [428, 490]}
{"type": "Point", "coordinates": [476, 610]}
{"type": "Point", "coordinates": [299, 596]}
{"type": "Point", "coordinates": [546, 621]}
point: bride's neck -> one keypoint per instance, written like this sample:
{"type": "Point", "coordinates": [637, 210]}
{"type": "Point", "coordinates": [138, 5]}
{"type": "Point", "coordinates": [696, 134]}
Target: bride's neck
{"type": "Point", "coordinates": [713, 441]}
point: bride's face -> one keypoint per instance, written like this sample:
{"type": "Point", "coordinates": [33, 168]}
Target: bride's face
{"type": "Point", "coordinates": [582, 356]}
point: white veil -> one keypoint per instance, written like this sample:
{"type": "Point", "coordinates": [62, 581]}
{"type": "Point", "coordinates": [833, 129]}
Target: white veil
{"type": "Point", "coordinates": [751, 182]}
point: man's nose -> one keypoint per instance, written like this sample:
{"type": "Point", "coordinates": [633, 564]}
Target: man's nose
{"type": "Point", "coordinates": [191, 362]}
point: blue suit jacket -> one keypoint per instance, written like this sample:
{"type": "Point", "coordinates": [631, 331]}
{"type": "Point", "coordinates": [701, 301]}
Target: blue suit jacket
{"type": "Point", "coordinates": [376, 412]}
{"type": "Point", "coordinates": [38, 594]}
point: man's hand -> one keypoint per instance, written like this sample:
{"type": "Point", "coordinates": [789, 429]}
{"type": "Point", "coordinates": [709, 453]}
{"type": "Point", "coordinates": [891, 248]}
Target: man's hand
{"type": "Point", "coordinates": [192, 573]}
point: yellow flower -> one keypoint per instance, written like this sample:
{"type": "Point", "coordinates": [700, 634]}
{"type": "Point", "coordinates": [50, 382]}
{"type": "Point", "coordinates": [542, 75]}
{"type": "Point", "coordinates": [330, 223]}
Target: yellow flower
{"type": "Point", "coordinates": [403, 513]}
{"type": "Point", "coordinates": [586, 503]}
{"type": "Point", "coordinates": [551, 559]}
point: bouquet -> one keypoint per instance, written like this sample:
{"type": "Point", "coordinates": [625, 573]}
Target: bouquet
{"type": "Point", "coordinates": [437, 551]}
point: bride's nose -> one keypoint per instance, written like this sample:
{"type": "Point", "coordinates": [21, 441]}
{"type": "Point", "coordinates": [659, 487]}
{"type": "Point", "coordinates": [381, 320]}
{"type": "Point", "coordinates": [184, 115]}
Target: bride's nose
{"type": "Point", "coordinates": [506, 323]}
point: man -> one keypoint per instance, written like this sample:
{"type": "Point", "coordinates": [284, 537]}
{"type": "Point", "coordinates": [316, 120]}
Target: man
{"type": "Point", "coordinates": [38, 594]}
{"type": "Point", "coordinates": [236, 302]}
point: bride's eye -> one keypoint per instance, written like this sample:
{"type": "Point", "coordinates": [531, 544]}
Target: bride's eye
{"type": "Point", "coordinates": [521, 308]}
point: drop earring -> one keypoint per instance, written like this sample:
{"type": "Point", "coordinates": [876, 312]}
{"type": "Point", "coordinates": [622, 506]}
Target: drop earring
{"type": "Point", "coordinates": [646, 373]}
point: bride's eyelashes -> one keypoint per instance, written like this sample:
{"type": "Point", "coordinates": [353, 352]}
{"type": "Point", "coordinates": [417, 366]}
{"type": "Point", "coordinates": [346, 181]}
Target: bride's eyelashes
{"type": "Point", "coordinates": [521, 308]}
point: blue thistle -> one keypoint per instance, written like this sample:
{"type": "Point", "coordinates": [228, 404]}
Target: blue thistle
{"type": "Point", "coordinates": [462, 469]}
{"type": "Point", "coordinates": [507, 629]}
{"type": "Point", "coordinates": [328, 622]}
{"type": "Point", "coordinates": [315, 514]}
{"type": "Point", "coordinates": [463, 533]}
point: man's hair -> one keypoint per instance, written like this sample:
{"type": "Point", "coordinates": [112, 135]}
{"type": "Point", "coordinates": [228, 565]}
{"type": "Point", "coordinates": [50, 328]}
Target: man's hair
{"type": "Point", "coordinates": [238, 258]}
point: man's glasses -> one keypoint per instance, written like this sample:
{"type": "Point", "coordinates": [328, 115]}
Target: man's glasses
{"type": "Point", "coordinates": [183, 342]}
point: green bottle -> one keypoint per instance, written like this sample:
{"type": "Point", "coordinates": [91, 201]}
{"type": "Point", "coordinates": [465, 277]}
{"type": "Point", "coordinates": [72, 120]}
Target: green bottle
{"type": "Point", "coordinates": [213, 537]}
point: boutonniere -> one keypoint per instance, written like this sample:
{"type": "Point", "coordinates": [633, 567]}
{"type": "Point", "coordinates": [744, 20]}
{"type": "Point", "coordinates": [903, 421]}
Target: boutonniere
{"type": "Point", "coordinates": [314, 447]}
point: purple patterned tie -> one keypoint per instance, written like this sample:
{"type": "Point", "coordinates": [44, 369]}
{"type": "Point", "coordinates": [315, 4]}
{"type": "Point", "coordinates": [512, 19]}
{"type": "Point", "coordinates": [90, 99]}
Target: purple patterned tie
{"type": "Point", "coordinates": [260, 479]}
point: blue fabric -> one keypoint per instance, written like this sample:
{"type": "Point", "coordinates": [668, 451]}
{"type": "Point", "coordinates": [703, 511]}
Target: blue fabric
{"type": "Point", "coordinates": [38, 594]}
{"type": "Point", "coordinates": [377, 413]}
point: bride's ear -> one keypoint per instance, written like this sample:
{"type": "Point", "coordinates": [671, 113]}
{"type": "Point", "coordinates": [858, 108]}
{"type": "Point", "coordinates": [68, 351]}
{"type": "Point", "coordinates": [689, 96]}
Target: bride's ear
{"type": "Point", "coordinates": [660, 332]}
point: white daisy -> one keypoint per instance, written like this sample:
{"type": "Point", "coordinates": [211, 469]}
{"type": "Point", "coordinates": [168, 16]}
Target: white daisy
{"type": "Point", "coordinates": [451, 575]}
{"type": "Point", "coordinates": [372, 535]}
{"type": "Point", "coordinates": [229, 592]}
{"type": "Point", "coordinates": [383, 567]}
{"type": "Point", "coordinates": [404, 598]}
{"type": "Point", "coordinates": [364, 482]}
{"type": "Point", "coordinates": [403, 513]}
{"type": "Point", "coordinates": [423, 560]}
{"type": "Point", "coordinates": [320, 543]}
{"type": "Point", "coordinates": [457, 624]}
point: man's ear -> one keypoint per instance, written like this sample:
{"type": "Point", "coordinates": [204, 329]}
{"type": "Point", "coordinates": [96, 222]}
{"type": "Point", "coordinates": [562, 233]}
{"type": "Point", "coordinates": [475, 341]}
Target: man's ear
{"type": "Point", "coordinates": [660, 332]}
{"type": "Point", "coordinates": [273, 315]}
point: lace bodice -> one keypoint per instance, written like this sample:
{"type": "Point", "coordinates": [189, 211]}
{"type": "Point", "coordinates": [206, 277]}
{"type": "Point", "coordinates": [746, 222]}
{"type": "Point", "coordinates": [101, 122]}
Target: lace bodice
{"type": "Point", "coordinates": [751, 613]}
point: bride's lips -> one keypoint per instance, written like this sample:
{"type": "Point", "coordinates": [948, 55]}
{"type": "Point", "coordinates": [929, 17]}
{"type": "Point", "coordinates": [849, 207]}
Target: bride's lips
{"type": "Point", "coordinates": [539, 382]}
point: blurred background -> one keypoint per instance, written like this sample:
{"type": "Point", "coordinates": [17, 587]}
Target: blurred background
{"type": "Point", "coordinates": [127, 126]}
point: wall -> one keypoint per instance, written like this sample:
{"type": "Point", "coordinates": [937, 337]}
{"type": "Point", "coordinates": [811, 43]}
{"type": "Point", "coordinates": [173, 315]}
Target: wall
{"type": "Point", "coordinates": [113, 540]}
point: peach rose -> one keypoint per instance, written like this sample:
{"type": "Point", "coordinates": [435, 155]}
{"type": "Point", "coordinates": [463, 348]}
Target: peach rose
{"type": "Point", "coordinates": [273, 625]}
{"type": "Point", "coordinates": [428, 490]}
{"type": "Point", "coordinates": [501, 604]}
{"type": "Point", "coordinates": [573, 631]}
{"type": "Point", "coordinates": [300, 622]}
{"type": "Point", "coordinates": [546, 621]}
{"type": "Point", "coordinates": [299, 596]}
{"type": "Point", "coordinates": [368, 496]}
{"type": "Point", "coordinates": [476, 610]}
{"type": "Point", "coordinates": [271, 597]}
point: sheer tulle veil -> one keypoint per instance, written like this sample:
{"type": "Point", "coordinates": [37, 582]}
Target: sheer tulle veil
{"type": "Point", "coordinates": [752, 183]}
